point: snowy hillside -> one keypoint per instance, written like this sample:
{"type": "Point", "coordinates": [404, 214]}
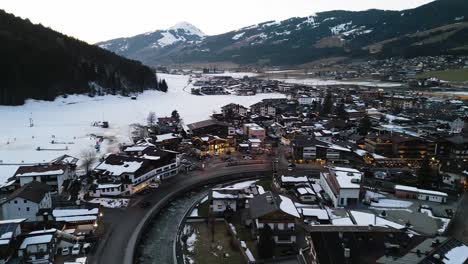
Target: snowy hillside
{"type": "Point", "coordinates": [68, 121]}
{"type": "Point", "coordinates": [180, 33]}
{"type": "Point", "coordinates": [303, 39]}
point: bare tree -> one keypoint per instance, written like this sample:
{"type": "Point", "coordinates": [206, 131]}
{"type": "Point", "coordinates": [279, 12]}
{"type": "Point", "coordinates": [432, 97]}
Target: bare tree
{"type": "Point", "coordinates": [151, 119]}
{"type": "Point", "coordinates": [88, 157]}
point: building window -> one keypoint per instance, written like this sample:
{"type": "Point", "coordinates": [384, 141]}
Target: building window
{"type": "Point", "coordinates": [16, 202]}
{"type": "Point", "coordinates": [27, 209]}
{"type": "Point", "coordinates": [25, 201]}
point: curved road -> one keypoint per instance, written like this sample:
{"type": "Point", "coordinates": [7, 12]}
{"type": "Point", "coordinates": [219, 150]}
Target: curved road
{"type": "Point", "coordinates": [118, 243]}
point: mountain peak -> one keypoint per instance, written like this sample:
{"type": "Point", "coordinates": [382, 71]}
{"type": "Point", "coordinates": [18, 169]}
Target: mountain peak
{"type": "Point", "coordinates": [189, 28]}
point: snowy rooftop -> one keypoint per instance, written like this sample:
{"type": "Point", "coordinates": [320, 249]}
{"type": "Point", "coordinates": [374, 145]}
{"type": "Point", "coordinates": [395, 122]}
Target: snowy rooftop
{"type": "Point", "coordinates": [417, 190]}
{"type": "Point", "coordinates": [292, 179]}
{"type": "Point", "coordinates": [126, 167]}
{"type": "Point", "coordinates": [74, 212]}
{"type": "Point", "coordinates": [321, 214]}
{"type": "Point", "coordinates": [305, 190]}
{"type": "Point", "coordinates": [347, 178]}
{"type": "Point", "coordinates": [288, 206]}
{"type": "Point", "coordinates": [36, 240]}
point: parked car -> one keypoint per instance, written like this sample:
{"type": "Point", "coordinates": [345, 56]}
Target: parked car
{"type": "Point", "coordinates": [76, 249]}
{"type": "Point", "coordinates": [65, 251]}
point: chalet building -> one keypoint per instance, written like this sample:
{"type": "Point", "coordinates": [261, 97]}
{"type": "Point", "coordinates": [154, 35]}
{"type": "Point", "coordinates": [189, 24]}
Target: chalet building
{"type": "Point", "coordinates": [315, 216]}
{"type": "Point", "coordinates": [233, 198]}
{"type": "Point", "coordinates": [305, 194]}
{"type": "Point", "coordinates": [285, 183]}
{"type": "Point", "coordinates": [408, 192]}
{"type": "Point", "coordinates": [208, 127]}
{"type": "Point", "coordinates": [400, 146]}
{"type": "Point", "coordinates": [454, 172]}
{"type": "Point", "coordinates": [398, 101]}
{"type": "Point", "coordinates": [276, 211]}
{"type": "Point", "coordinates": [39, 247]}
{"type": "Point", "coordinates": [307, 148]}
{"type": "Point", "coordinates": [263, 109]}
{"type": "Point", "coordinates": [234, 109]}
{"type": "Point", "coordinates": [213, 145]}
{"type": "Point", "coordinates": [56, 175]}
{"type": "Point", "coordinates": [74, 217]}
{"type": "Point", "coordinates": [458, 146]}
{"type": "Point", "coordinates": [342, 185]}
{"type": "Point", "coordinates": [9, 232]}
{"type": "Point", "coordinates": [26, 202]}
{"type": "Point", "coordinates": [131, 173]}
{"type": "Point", "coordinates": [253, 130]}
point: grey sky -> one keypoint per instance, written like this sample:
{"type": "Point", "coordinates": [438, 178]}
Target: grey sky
{"type": "Point", "coordinates": [97, 20]}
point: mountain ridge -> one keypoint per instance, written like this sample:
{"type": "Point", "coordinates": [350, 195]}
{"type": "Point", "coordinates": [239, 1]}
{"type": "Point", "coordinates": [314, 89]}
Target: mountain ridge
{"type": "Point", "coordinates": [299, 40]}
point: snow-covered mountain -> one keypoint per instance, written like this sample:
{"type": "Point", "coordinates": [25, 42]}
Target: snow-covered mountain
{"type": "Point", "coordinates": [140, 46]}
{"type": "Point", "coordinates": [438, 27]}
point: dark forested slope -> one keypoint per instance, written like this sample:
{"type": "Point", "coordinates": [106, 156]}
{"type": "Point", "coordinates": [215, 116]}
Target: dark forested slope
{"type": "Point", "coordinates": [39, 63]}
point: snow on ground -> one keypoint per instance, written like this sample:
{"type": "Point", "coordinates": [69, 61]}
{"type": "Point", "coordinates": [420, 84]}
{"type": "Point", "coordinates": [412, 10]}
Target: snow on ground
{"type": "Point", "coordinates": [110, 202]}
{"type": "Point", "coordinates": [444, 221]}
{"type": "Point", "coordinates": [234, 74]}
{"type": "Point", "coordinates": [314, 81]}
{"type": "Point", "coordinates": [456, 255]}
{"type": "Point", "coordinates": [68, 121]}
{"type": "Point", "coordinates": [392, 203]}
{"type": "Point", "coordinates": [366, 219]}
{"type": "Point", "coordinates": [371, 194]}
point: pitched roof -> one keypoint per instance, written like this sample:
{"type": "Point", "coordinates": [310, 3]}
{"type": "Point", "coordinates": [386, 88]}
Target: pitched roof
{"type": "Point", "coordinates": [33, 191]}
{"type": "Point", "coordinates": [205, 123]}
{"type": "Point", "coordinates": [271, 202]}
{"type": "Point", "coordinates": [41, 170]}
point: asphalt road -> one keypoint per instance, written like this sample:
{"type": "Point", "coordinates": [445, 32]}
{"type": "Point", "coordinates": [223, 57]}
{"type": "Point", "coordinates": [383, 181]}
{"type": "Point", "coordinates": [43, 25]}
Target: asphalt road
{"type": "Point", "coordinates": [459, 225]}
{"type": "Point", "coordinates": [117, 243]}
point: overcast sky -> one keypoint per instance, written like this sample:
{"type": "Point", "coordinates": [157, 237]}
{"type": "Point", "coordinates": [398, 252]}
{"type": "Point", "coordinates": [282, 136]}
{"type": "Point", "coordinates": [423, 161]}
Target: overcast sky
{"type": "Point", "coordinates": [98, 20]}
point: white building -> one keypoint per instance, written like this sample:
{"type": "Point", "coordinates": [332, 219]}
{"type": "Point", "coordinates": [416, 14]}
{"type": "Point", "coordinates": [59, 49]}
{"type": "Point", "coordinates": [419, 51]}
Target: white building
{"type": "Point", "coordinates": [342, 185]}
{"type": "Point", "coordinates": [409, 192]}
{"type": "Point", "coordinates": [131, 173]}
{"type": "Point", "coordinates": [51, 174]}
{"type": "Point", "coordinates": [27, 201]}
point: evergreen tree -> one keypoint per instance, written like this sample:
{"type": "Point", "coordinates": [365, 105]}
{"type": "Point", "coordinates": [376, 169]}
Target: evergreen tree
{"type": "Point", "coordinates": [364, 125]}
{"type": "Point", "coordinates": [341, 112]}
{"type": "Point", "coordinates": [425, 174]}
{"type": "Point", "coordinates": [327, 105]}
{"type": "Point", "coordinates": [266, 244]}
{"type": "Point", "coordinates": [175, 115]}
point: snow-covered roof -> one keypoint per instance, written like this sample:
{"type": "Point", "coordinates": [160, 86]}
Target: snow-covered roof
{"type": "Point", "coordinates": [136, 148]}
{"type": "Point", "coordinates": [288, 206]}
{"type": "Point", "coordinates": [347, 178]}
{"type": "Point", "coordinates": [126, 167]}
{"type": "Point", "coordinates": [293, 179]}
{"type": "Point", "coordinates": [79, 218]}
{"type": "Point", "coordinates": [105, 186]}
{"type": "Point", "coordinates": [366, 219]}
{"type": "Point", "coordinates": [44, 173]}
{"type": "Point", "coordinates": [345, 221]}
{"type": "Point", "coordinates": [36, 240]}
{"type": "Point", "coordinates": [305, 190]}
{"type": "Point", "coordinates": [168, 136]}
{"type": "Point", "coordinates": [417, 190]}
{"type": "Point", "coordinates": [74, 212]}
{"type": "Point", "coordinates": [315, 212]}
{"type": "Point", "coordinates": [456, 255]}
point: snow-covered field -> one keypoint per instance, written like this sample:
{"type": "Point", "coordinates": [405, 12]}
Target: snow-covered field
{"type": "Point", "coordinates": [390, 203]}
{"type": "Point", "coordinates": [314, 81]}
{"type": "Point", "coordinates": [69, 120]}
